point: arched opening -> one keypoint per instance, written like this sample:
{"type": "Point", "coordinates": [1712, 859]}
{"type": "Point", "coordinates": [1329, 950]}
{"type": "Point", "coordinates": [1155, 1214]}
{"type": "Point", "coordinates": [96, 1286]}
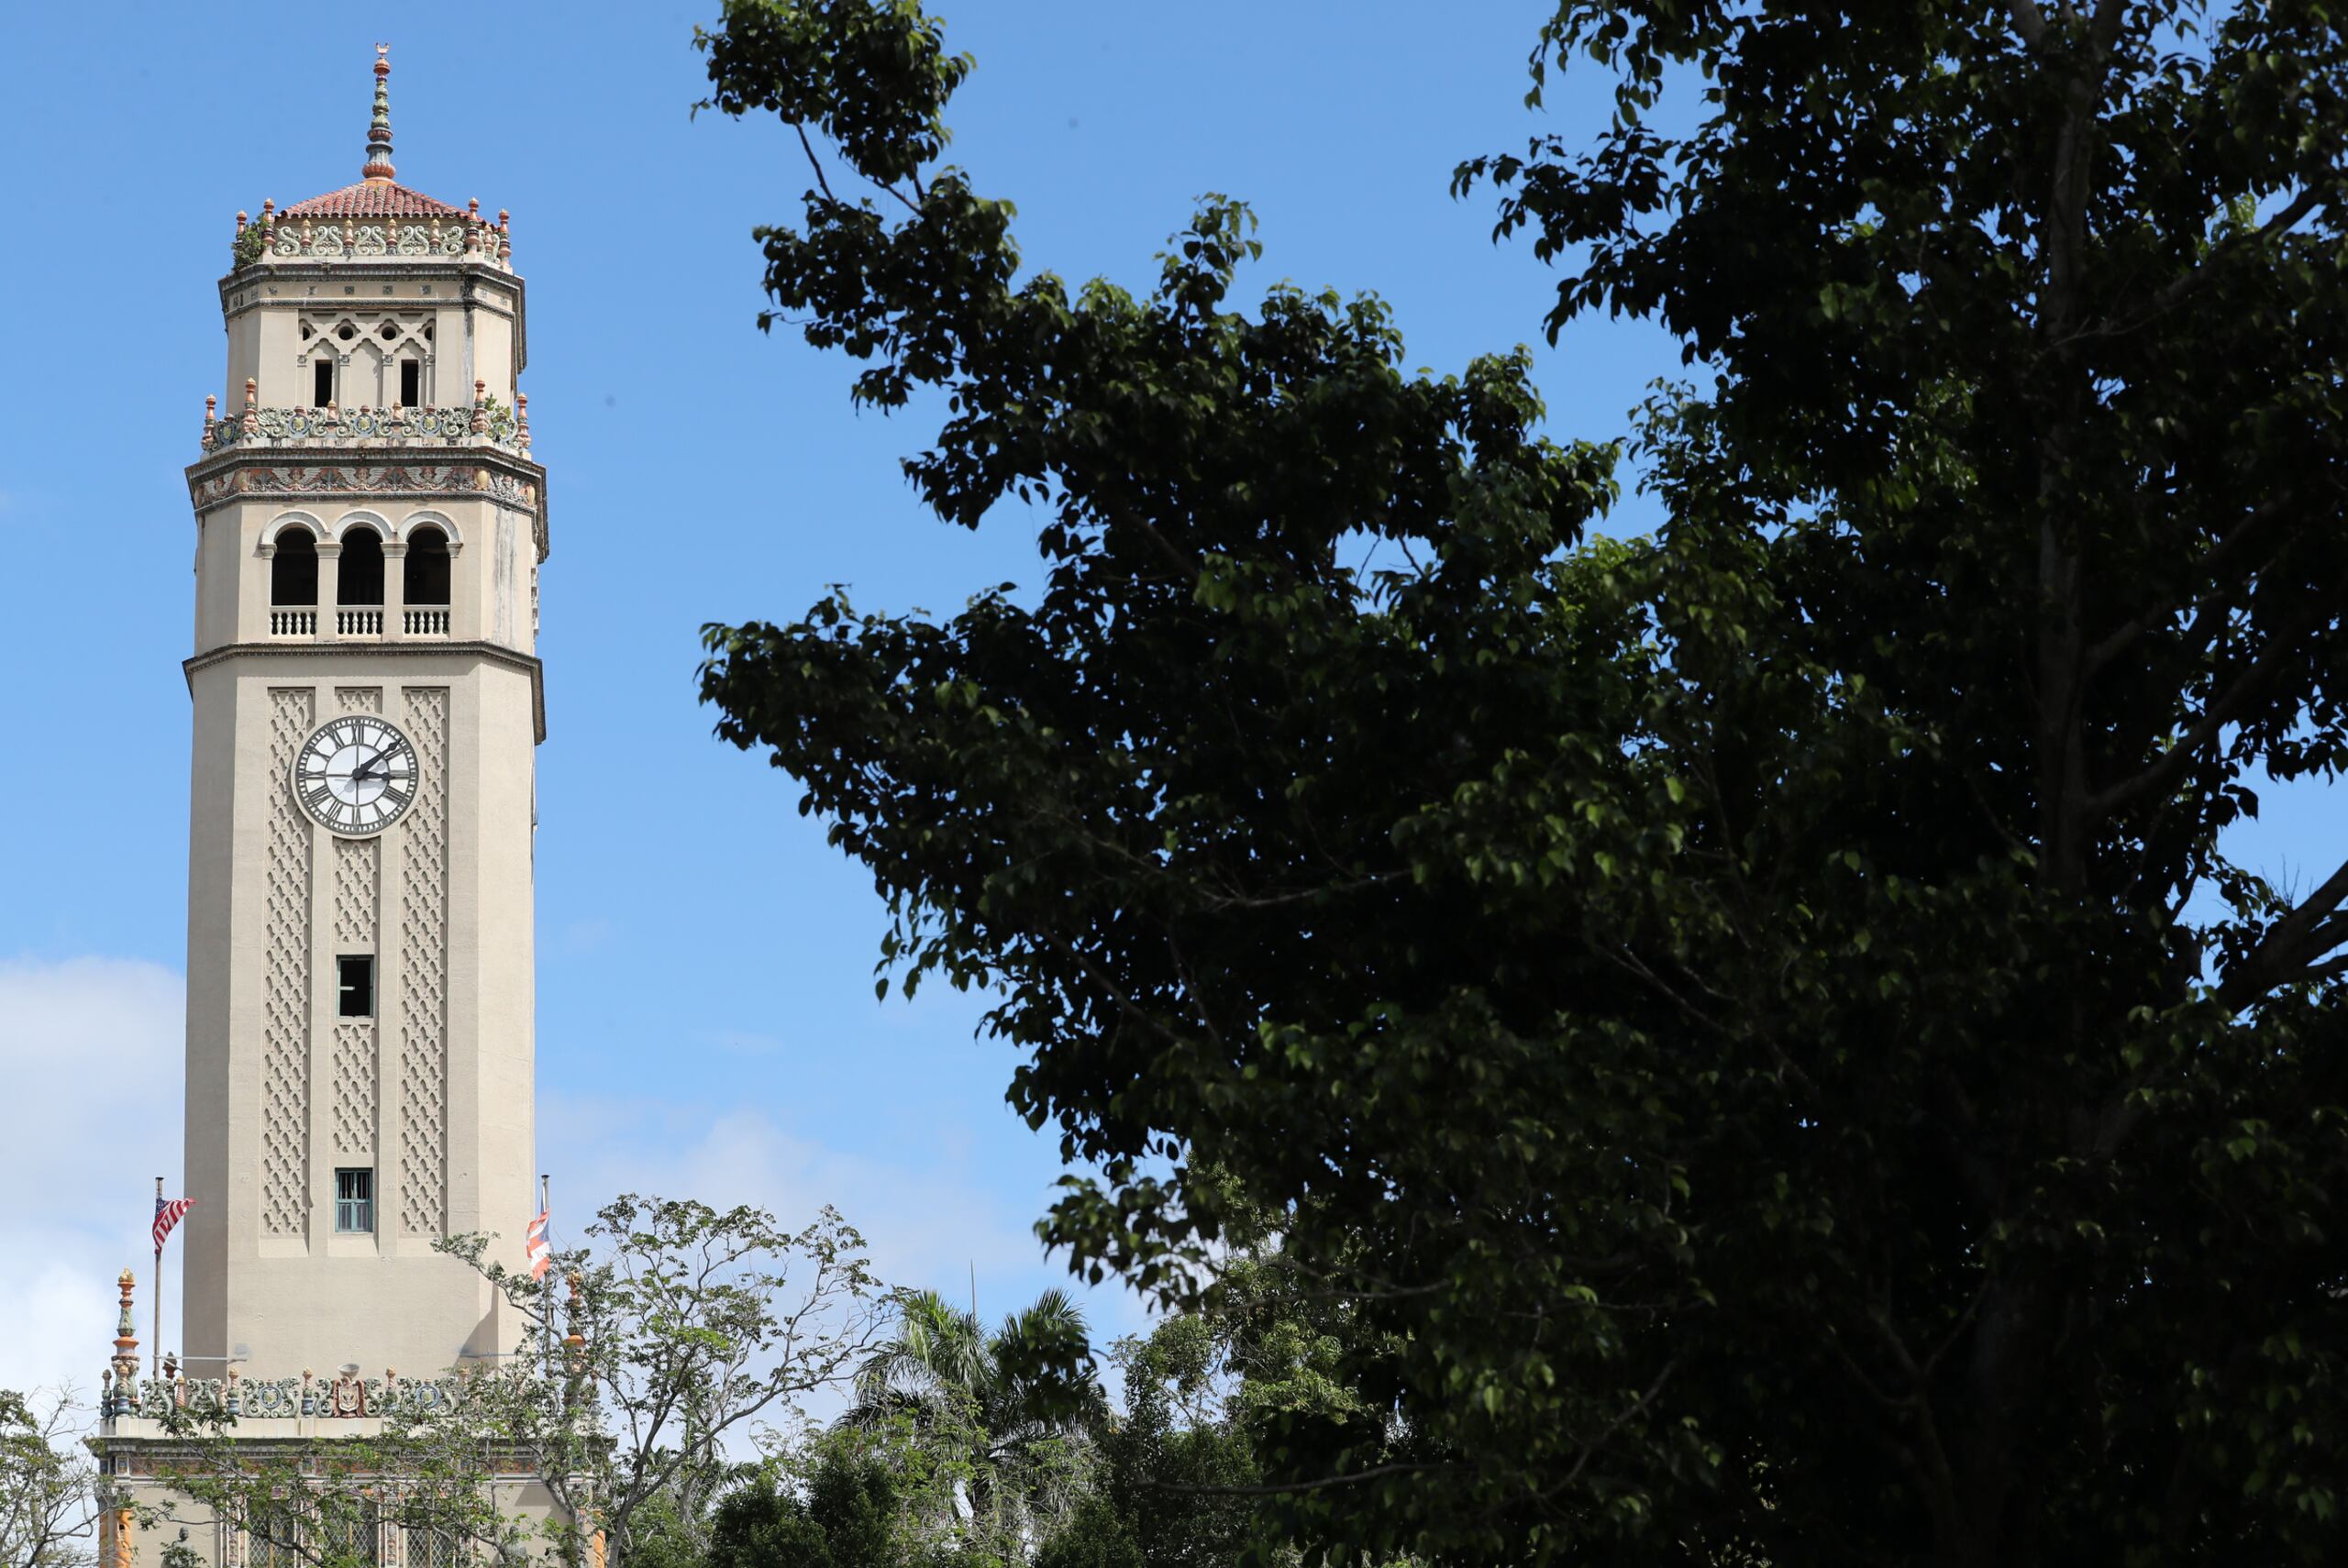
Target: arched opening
{"type": "Point", "coordinates": [359, 579]}
{"type": "Point", "coordinates": [426, 581]}
{"type": "Point", "coordinates": [293, 569]}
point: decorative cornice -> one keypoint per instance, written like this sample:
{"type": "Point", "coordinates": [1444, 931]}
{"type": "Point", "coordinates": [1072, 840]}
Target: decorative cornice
{"type": "Point", "coordinates": [487, 279]}
{"type": "Point", "coordinates": [473, 473]}
{"type": "Point", "coordinates": [495, 653]}
{"type": "Point", "coordinates": [462, 428]}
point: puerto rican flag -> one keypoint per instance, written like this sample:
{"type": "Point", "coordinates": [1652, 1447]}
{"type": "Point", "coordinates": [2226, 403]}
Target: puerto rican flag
{"type": "Point", "coordinates": [536, 1251]}
{"type": "Point", "coordinates": [168, 1215]}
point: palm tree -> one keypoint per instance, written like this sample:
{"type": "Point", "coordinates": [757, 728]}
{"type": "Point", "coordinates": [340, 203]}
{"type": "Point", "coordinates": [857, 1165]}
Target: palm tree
{"type": "Point", "coordinates": [1000, 1397]}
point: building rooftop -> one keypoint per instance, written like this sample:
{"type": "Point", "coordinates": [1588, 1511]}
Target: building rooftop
{"type": "Point", "coordinates": [373, 198]}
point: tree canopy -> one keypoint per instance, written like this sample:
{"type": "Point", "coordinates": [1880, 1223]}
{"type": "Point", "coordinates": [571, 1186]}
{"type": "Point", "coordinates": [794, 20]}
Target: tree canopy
{"type": "Point", "coordinates": [1755, 1025]}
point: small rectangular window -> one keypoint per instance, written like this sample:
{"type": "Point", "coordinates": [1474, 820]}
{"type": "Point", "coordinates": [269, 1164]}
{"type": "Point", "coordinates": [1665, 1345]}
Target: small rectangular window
{"type": "Point", "coordinates": [411, 383]}
{"type": "Point", "coordinates": [355, 985]}
{"type": "Point", "coordinates": [354, 1200]}
{"type": "Point", "coordinates": [431, 1548]}
{"type": "Point", "coordinates": [322, 380]}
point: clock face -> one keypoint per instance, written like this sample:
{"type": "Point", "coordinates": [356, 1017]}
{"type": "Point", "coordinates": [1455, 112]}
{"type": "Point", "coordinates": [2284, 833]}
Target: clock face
{"type": "Point", "coordinates": [356, 775]}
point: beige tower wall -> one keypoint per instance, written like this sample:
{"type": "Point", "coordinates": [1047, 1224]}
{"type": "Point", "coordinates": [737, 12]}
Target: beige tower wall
{"type": "Point", "coordinates": [432, 1093]}
{"type": "Point", "coordinates": [474, 309]}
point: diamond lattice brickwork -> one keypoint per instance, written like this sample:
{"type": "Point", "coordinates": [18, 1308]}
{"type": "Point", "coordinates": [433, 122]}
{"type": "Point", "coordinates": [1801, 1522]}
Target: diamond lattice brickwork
{"type": "Point", "coordinates": [285, 1043]}
{"type": "Point", "coordinates": [424, 963]}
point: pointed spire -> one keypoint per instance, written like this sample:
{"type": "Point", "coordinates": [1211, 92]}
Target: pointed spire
{"type": "Point", "coordinates": [379, 129]}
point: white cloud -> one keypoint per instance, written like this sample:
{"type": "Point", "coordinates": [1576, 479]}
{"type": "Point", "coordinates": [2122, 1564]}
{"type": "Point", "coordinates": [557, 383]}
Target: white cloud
{"type": "Point", "coordinates": [90, 1072]}
{"type": "Point", "coordinates": [925, 1220]}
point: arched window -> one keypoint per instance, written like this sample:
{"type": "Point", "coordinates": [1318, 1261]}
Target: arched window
{"type": "Point", "coordinates": [293, 569]}
{"type": "Point", "coordinates": [360, 578]}
{"type": "Point", "coordinates": [426, 581]}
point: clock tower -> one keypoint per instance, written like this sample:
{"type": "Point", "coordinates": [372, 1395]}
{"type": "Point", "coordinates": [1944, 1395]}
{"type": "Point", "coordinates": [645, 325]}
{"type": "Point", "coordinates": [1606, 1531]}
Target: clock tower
{"type": "Point", "coordinates": [370, 528]}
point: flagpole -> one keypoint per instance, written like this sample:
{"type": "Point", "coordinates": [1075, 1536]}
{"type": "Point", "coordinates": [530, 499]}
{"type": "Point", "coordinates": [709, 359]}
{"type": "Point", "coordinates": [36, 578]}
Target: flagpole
{"type": "Point", "coordinates": [157, 1352]}
{"type": "Point", "coordinates": [546, 1207]}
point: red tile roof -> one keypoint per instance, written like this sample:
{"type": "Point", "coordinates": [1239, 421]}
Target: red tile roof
{"type": "Point", "coordinates": [373, 198]}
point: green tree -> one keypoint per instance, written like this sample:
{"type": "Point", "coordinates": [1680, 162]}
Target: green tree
{"type": "Point", "coordinates": [848, 1516]}
{"type": "Point", "coordinates": [47, 1506]}
{"type": "Point", "coordinates": [1006, 1406]}
{"type": "Point", "coordinates": [1755, 1025]}
{"type": "Point", "coordinates": [675, 1335]}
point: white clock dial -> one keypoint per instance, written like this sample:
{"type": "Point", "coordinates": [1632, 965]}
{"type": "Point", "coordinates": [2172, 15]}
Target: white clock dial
{"type": "Point", "coordinates": [356, 775]}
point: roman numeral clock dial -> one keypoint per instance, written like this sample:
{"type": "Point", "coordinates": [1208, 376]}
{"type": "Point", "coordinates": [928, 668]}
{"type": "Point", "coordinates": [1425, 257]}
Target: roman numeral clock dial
{"type": "Point", "coordinates": [356, 775]}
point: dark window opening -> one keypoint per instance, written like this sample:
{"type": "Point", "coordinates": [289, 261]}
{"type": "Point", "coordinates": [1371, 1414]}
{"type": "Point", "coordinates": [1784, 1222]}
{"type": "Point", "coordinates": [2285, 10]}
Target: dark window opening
{"type": "Point", "coordinates": [360, 580]}
{"type": "Point", "coordinates": [426, 581]}
{"type": "Point", "coordinates": [354, 1200]}
{"type": "Point", "coordinates": [293, 569]}
{"type": "Point", "coordinates": [355, 985]}
{"type": "Point", "coordinates": [411, 383]}
{"type": "Point", "coordinates": [321, 381]}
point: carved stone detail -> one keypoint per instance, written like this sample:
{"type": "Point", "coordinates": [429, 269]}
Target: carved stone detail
{"type": "Point", "coordinates": [472, 424]}
{"type": "Point", "coordinates": [285, 1043]}
{"type": "Point", "coordinates": [359, 699]}
{"type": "Point", "coordinates": [358, 875]}
{"type": "Point", "coordinates": [423, 984]}
{"type": "Point", "coordinates": [354, 1091]}
{"type": "Point", "coordinates": [356, 865]}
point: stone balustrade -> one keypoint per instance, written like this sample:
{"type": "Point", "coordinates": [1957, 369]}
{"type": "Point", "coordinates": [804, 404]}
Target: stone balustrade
{"type": "Point", "coordinates": [301, 622]}
{"type": "Point", "coordinates": [470, 237]}
{"type": "Point", "coordinates": [483, 424]}
{"type": "Point", "coordinates": [346, 1397]}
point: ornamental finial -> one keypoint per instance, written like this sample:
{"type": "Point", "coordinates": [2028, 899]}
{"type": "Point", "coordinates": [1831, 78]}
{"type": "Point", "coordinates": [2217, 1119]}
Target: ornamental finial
{"type": "Point", "coordinates": [125, 1340]}
{"type": "Point", "coordinates": [379, 129]}
{"type": "Point", "coordinates": [574, 1344]}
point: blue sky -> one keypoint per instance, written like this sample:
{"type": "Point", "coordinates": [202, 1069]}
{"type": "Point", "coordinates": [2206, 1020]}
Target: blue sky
{"type": "Point", "coordinates": [706, 1021]}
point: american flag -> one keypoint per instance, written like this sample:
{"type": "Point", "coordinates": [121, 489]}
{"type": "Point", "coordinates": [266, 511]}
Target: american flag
{"type": "Point", "coordinates": [535, 1250]}
{"type": "Point", "coordinates": [168, 1215]}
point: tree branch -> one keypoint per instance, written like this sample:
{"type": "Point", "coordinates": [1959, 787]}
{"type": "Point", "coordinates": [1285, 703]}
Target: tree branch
{"type": "Point", "coordinates": [2220, 712]}
{"type": "Point", "coordinates": [2125, 636]}
{"type": "Point", "coordinates": [2290, 942]}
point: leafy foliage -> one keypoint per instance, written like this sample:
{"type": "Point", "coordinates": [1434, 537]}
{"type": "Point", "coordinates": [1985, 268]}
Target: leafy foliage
{"type": "Point", "coordinates": [1752, 1031]}
{"type": "Point", "coordinates": [999, 1412]}
{"type": "Point", "coordinates": [677, 1332]}
{"type": "Point", "coordinates": [46, 1500]}
{"type": "Point", "coordinates": [849, 1517]}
